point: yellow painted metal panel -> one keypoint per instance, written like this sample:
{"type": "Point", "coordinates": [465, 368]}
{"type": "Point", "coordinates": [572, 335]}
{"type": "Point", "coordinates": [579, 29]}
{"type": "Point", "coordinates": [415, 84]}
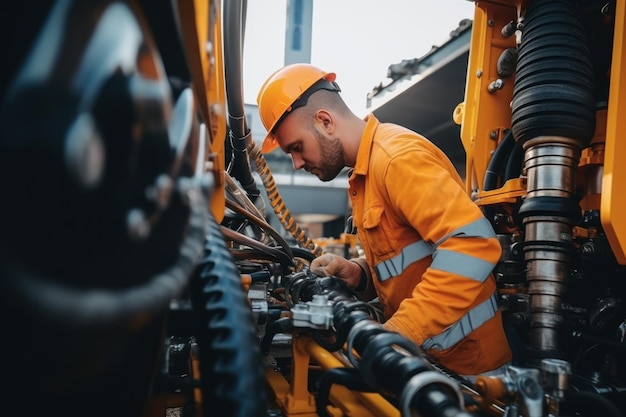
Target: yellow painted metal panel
{"type": "Point", "coordinates": [613, 203]}
{"type": "Point", "coordinates": [201, 30]}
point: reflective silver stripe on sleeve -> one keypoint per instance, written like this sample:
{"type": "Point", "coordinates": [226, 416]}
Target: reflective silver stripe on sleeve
{"type": "Point", "coordinates": [396, 265]}
{"type": "Point", "coordinates": [471, 321]}
{"type": "Point", "coordinates": [462, 264]}
{"type": "Point", "coordinates": [478, 228]}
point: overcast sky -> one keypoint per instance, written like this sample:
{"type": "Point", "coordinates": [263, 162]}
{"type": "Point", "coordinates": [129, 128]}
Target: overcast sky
{"type": "Point", "coordinates": [357, 39]}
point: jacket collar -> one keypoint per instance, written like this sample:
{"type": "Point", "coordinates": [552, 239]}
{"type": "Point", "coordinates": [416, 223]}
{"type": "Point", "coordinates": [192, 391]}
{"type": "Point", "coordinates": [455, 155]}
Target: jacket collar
{"type": "Point", "coordinates": [367, 138]}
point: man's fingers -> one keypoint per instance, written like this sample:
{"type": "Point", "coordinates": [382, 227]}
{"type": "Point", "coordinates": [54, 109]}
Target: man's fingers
{"type": "Point", "coordinates": [319, 265]}
{"type": "Point", "coordinates": [320, 270]}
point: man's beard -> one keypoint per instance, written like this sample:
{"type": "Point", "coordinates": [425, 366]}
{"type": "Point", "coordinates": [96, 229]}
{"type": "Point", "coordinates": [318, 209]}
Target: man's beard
{"type": "Point", "coordinates": [331, 153]}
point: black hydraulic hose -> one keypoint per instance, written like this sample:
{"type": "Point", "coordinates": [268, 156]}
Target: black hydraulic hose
{"type": "Point", "coordinates": [276, 252]}
{"type": "Point", "coordinates": [254, 254]}
{"type": "Point", "coordinates": [513, 166]}
{"type": "Point", "coordinates": [591, 404]}
{"type": "Point", "coordinates": [240, 135]}
{"type": "Point", "coordinates": [260, 276]}
{"type": "Point", "coordinates": [303, 253]}
{"type": "Point", "coordinates": [388, 362]}
{"type": "Point", "coordinates": [393, 364]}
{"type": "Point", "coordinates": [231, 370]}
{"type": "Point", "coordinates": [599, 340]}
{"type": "Point", "coordinates": [497, 161]}
{"type": "Point", "coordinates": [329, 340]}
{"type": "Point", "coordinates": [262, 224]}
{"type": "Point", "coordinates": [348, 377]}
{"type": "Point", "coordinates": [234, 29]}
{"type": "Point", "coordinates": [282, 325]}
{"type": "Point", "coordinates": [413, 379]}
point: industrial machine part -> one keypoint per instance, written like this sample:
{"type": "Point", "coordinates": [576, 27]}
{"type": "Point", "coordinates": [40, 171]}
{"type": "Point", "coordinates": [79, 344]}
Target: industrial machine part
{"type": "Point", "coordinates": [140, 276]}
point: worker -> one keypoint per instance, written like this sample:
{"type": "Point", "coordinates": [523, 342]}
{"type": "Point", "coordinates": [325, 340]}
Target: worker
{"type": "Point", "coordinates": [429, 250]}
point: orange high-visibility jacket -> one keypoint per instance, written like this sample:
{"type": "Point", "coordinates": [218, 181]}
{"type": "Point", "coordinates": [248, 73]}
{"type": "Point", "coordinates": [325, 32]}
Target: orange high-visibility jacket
{"type": "Point", "coordinates": [430, 250]}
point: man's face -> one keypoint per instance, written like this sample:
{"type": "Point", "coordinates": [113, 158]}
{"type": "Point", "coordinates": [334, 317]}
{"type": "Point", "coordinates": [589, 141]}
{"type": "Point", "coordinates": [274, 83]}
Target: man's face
{"type": "Point", "coordinates": [311, 148]}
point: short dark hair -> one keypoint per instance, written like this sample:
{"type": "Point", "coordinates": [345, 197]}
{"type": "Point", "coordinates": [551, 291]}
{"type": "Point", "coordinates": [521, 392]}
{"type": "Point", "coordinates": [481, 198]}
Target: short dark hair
{"type": "Point", "coordinates": [322, 84]}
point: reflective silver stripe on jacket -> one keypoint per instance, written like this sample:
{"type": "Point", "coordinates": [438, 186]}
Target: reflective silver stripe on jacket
{"type": "Point", "coordinates": [419, 250]}
{"type": "Point", "coordinates": [396, 265]}
{"type": "Point", "coordinates": [471, 321]}
{"type": "Point", "coordinates": [478, 228]}
{"type": "Point", "coordinates": [462, 264]}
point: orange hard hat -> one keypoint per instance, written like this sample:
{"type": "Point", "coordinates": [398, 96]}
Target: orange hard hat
{"type": "Point", "coordinates": [285, 91]}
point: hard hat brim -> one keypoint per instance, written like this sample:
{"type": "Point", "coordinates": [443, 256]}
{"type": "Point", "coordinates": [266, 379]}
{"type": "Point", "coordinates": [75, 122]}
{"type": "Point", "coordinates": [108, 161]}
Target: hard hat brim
{"type": "Point", "coordinates": [269, 143]}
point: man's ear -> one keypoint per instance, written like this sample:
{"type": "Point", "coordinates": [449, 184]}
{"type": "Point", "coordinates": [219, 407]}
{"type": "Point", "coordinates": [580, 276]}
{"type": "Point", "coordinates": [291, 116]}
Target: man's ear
{"type": "Point", "coordinates": [326, 120]}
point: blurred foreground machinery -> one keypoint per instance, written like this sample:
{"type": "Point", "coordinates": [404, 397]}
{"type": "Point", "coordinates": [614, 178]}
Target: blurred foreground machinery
{"type": "Point", "coordinates": [140, 276]}
{"type": "Point", "coordinates": [111, 153]}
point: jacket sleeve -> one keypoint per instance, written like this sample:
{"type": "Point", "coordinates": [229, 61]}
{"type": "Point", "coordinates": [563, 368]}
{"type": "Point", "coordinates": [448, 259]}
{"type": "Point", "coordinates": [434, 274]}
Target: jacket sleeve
{"type": "Point", "coordinates": [427, 196]}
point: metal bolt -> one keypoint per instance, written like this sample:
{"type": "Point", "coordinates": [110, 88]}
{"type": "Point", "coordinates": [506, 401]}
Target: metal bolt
{"type": "Point", "coordinates": [137, 224]}
{"type": "Point", "coordinates": [495, 85]}
{"type": "Point", "coordinates": [84, 152]}
{"type": "Point", "coordinates": [161, 192]}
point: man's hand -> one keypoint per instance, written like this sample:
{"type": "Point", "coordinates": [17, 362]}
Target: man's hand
{"type": "Point", "coordinates": [330, 264]}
